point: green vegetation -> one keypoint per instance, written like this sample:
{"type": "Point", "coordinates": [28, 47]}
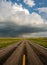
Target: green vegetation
{"type": "Point", "coordinates": [8, 41]}
{"type": "Point", "coordinates": [41, 41]}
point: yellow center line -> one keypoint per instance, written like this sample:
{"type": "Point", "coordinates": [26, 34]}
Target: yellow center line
{"type": "Point", "coordinates": [23, 60]}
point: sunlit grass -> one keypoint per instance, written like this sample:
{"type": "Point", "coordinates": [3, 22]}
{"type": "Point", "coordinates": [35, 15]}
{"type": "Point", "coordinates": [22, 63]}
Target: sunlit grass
{"type": "Point", "coordinates": [41, 41]}
{"type": "Point", "coordinates": [4, 42]}
{"type": "Point", "coordinates": [8, 41]}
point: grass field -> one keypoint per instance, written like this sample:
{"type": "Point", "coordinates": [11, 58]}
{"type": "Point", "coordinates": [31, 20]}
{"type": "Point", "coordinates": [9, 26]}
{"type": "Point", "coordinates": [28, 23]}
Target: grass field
{"type": "Point", "coordinates": [41, 41]}
{"type": "Point", "coordinates": [8, 41]}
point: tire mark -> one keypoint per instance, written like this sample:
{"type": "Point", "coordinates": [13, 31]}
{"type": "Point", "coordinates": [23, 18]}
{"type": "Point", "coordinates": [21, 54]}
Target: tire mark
{"type": "Point", "coordinates": [41, 53]}
{"type": "Point", "coordinates": [32, 58]}
{"type": "Point", "coordinates": [16, 57]}
{"type": "Point", "coordinates": [6, 55]}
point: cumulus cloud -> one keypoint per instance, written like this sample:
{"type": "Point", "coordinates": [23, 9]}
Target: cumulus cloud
{"type": "Point", "coordinates": [19, 8]}
{"type": "Point", "coordinates": [24, 22]}
{"type": "Point", "coordinates": [29, 2]}
{"type": "Point", "coordinates": [19, 15]}
{"type": "Point", "coordinates": [33, 19]}
{"type": "Point", "coordinates": [7, 9]}
{"type": "Point", "coordinates": [43, 9]}
{"type": "Point", "coordinates": [43, 12]}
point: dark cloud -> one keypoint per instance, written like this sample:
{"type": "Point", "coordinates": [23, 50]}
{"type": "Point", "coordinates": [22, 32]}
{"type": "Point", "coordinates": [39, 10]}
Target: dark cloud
{"type": "Point", "coordinates": [9, 29]}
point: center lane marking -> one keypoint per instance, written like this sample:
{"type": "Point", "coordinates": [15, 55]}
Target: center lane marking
{"type": "Point", "coordinates": [23, 60]}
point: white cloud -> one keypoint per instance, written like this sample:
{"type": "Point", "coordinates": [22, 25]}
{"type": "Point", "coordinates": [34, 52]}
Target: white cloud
{"type": "Point", "coordinates": [5, 9]}
{"type": "Point", "coordinates": [43, 12]}
{"type": "Point", "coordinates": [1, 18]}
{"type": "Point", "coordinates": [19, 15]}
{"type": "Point", "coordinates": [29, 2]}
{"type": "Point", "coordinates": [32, 20]}
{"type": "Point", "coordinates": [17, 8]}
{"type": "Point", "coordinates": [43, 9]}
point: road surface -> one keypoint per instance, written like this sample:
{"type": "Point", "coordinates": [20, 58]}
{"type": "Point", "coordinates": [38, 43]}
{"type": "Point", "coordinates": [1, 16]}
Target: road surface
{"type": "Point", "coordinates": [23, 53]}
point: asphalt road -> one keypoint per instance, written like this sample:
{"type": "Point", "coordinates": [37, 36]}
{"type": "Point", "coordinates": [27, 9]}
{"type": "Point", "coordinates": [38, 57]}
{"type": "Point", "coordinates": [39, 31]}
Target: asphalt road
{"type": "Point", "coordinates": [23, 53]}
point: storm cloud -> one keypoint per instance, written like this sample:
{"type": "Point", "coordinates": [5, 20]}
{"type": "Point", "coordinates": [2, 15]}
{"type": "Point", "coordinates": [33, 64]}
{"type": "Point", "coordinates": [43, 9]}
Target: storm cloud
{"type": "Point", "coordinates": [16, 20]}
{"type": "Point", "coordinates": [10, 29]}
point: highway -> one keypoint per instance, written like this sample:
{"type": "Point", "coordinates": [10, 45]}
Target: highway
{"type": "Point", "coordinates": [23, 53]}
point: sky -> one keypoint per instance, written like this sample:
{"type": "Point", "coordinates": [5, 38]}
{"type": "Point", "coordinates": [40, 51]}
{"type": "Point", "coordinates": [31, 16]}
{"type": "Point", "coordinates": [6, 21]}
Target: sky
{"type": "Point", "coordinates": [23, 18]}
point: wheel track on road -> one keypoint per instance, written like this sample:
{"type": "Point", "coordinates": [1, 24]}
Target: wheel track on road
{"type": "Point", "coordinates": [16, 57]}
{"type": "Point", "coordinates": [40, 52]}
{"type": "Point", "coordinates": [7, 52]}
{"type": "Point", "coordinates": [32, 58]}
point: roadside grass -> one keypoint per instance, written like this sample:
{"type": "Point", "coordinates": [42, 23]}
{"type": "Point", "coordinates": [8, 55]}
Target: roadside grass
{"type": "Point", "coordinates": [40, 41]}
{"type": "Point", "coordinates": [4, 42]}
